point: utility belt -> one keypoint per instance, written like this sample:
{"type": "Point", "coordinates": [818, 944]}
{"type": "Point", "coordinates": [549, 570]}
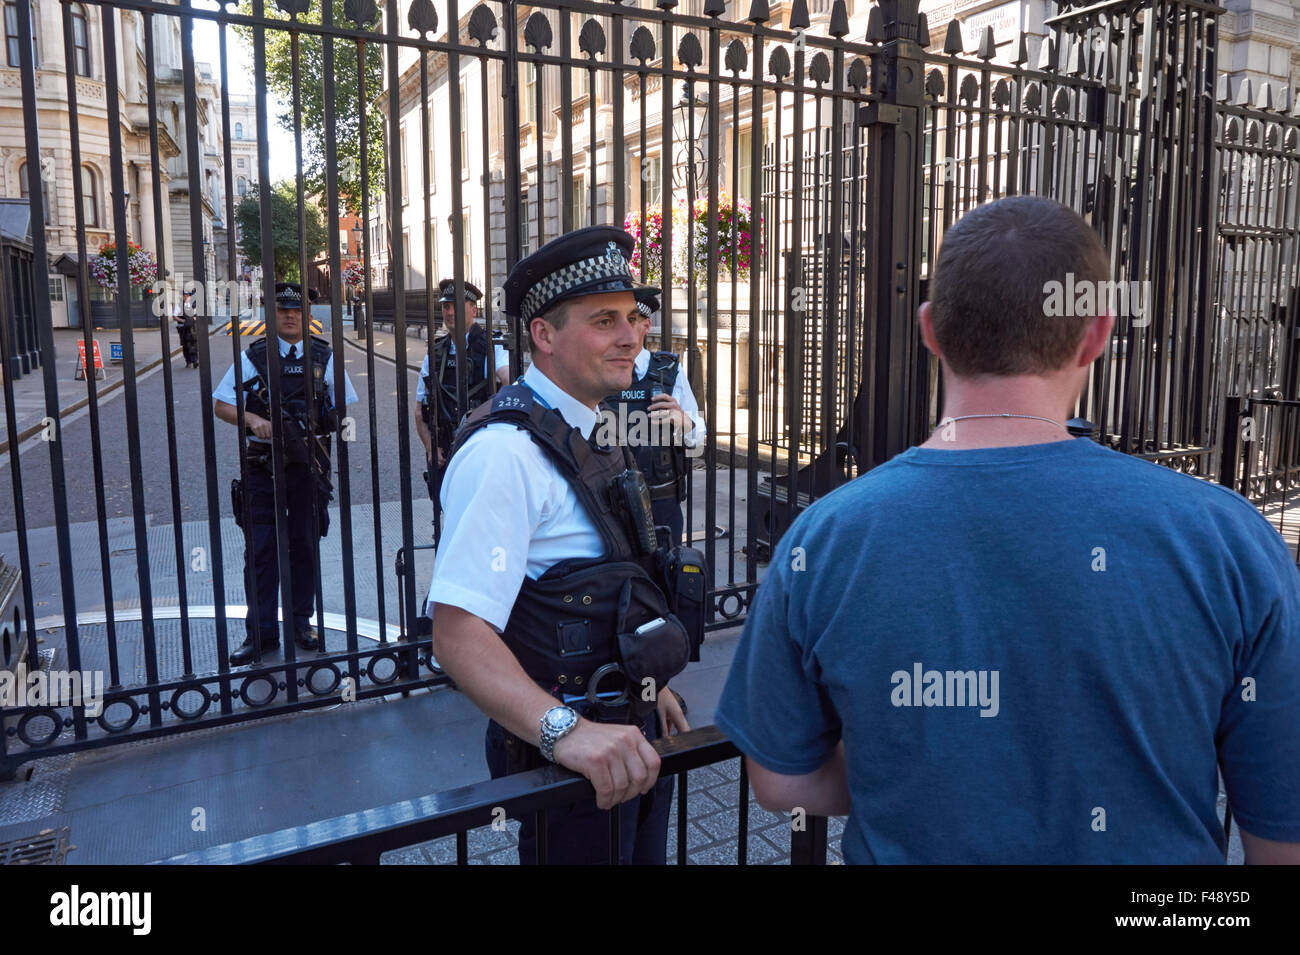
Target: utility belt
{"type": "Point", "coordinates": [259, 456]}
{"type": "Point", "coordinates": [675, 489]}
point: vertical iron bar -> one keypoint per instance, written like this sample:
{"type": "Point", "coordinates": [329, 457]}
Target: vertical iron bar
{"type": "Point", "coordinates": [753, 462]}
{"type": "Point", "coordinates": [337, 345]}
{"type": "Point", "coordinates": [566, 123]}
{"type": "Point", "coordinates": [513, 175]}
{"type": "Point", "coordinates": [208, 296]}
{"type": "Point", "coordinates": [92, 389]}
{"type": "Point", "coordinates": [399, 168]}
{"type": "Point", "coordinates": [279, 491]}
{"type": "Point", "coordinates": [118, 164]}
{"type": "Point", "coordinates": [617, 93]}
{"type": "Point", "coordinates": [681, 818]}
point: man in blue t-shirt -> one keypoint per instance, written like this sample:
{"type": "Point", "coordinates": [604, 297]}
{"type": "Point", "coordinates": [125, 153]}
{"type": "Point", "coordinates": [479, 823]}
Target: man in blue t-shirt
{"type": "Point", "coordinates": [1009, 645]}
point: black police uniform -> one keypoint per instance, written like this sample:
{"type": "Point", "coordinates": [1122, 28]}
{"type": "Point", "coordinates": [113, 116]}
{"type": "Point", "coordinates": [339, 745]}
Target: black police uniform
{"type": "Point", "coordinates": [185, 329]}
{"type": "Point", "coordinates": [440, 407]}
{"type": "Point", "coordinates": [574, 630]}
{"type": "Point", "coordinates": [307, 483]}
{"type": "Point", "coordinates": [664, 466]}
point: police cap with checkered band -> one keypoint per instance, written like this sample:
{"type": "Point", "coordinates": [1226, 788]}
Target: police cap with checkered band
{"type": "Point", "coordinates": [584, 262]}
{"type": "Point", "coordinates": [647, 301]}
{"type": "Point", "coordinates": [447, 288]}
{"type": "Point", "coordinates": [288, 295]}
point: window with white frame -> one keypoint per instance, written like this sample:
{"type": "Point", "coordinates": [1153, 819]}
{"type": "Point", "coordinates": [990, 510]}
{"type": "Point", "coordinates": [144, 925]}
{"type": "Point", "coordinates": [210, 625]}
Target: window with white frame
{"type": "Point", "coordinates": [652, 181]}
{"type": "Point", "coordinates": [580, 202]}
{"type": "Point", "coordinates": [464, 135]}
{"type": "Point", "coordinates": [80, 40]}
{"type": "Point", "coordinates": [403, 167]}
{"type": "Point", "coordinates": [89, 198]}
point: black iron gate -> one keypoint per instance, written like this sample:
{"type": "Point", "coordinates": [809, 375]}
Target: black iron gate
{"type": "Point", "coordinates": [788, 181]}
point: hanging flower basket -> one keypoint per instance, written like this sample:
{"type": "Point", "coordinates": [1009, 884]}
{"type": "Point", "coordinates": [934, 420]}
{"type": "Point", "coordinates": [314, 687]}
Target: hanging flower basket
{"type": "Point", "coordinates": [734, 223]}
{"type": "Point", "coordinates": [142, 266]}
{"type": "Point", "coordinates": [354, 274]}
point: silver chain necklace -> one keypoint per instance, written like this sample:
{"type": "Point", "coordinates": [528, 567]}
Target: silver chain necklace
{"type": "Point", "coordinates": [1006, 415]}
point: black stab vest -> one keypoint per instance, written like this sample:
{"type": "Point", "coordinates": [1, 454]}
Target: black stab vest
{"type": "Point", "coordinates": [661, 464]}
{"type": "Point", "coordinates": [564, 626]}
{"type": "Point", "coordinates": [442, 370]}
{"type": "Point", "coordinates": [293, 390]}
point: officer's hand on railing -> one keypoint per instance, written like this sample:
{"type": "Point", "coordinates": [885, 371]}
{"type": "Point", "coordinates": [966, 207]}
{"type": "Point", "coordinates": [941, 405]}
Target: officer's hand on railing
{"type": "Point", "coordinates": [258, 425]}
{"type": "Point", "coordinates": [617, 759]}
{"type": "Point", "coordinates": [442, 458]}
{"type": "Point", "coordinates": [671, 716]}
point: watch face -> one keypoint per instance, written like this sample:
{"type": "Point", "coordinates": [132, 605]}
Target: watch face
{"type": "Point", "coordinates": [558, 719]}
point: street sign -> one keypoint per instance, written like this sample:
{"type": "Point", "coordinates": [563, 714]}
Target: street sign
{"type": "Point", "coordinates": [81, 362]}
{"type": "Point", "coordinates": [115, 352]}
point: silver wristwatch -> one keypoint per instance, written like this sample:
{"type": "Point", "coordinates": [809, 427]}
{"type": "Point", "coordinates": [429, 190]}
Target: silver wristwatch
{"type": "Point", "coordinates": [557, 722]}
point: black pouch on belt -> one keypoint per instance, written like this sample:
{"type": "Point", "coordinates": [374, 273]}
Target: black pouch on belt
{"type": "Point", "coordinates": [237, 502]}
{"type": "Point", "coordinates": [682, 577]}
{"type": "Point", "coordinates": [651, 655]}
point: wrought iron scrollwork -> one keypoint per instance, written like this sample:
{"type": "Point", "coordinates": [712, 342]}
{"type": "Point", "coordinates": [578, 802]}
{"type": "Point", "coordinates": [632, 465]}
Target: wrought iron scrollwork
{"type": "Point", "coordinates": [482, 25]}
{"type": "Point", "coordinates": [591, 39]}
{"type": "Point", "coordinates": [363, 13]}
{"type": "Point", "coordinates": [537, 32]}
{"type": "Point", "coordinates": [737, 57]}
{"type": "Point", "coordinates": [689, 53]}
{"type": "Point", "coordinates": [642, 46]}
{"type": "Point", "coordinates": [422, 17]}
{"type": "Point", "coordinates": [778, 64]}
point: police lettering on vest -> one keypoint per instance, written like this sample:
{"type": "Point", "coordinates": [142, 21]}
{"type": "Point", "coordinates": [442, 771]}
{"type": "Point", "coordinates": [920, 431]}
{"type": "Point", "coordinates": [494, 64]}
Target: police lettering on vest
{"type": "Point", "coordinates": [295, 404]}
{"type": "Point", "coordinates": [662, 457]}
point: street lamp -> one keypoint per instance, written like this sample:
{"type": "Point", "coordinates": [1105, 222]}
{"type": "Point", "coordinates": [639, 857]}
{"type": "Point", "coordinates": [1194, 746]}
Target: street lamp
{"type": "Point", "coordinates": [690, 117]}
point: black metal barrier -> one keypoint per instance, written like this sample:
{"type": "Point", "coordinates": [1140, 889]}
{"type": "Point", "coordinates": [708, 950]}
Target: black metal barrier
{"type": "Point", "coordinates": [360, 838]}
{"type": "Point", "coordinates": [811, 157]}
{"type": "Point", "coordinates": [1261, 459]}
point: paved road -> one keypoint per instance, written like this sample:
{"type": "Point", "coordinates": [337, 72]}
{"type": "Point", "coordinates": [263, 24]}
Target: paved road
{"type": "Point", "coordinates": [188, 443]}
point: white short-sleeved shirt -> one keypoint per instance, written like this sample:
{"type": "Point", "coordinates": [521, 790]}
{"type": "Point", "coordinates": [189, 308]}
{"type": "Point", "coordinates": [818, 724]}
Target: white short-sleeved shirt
{"type": "Point", "coordinates": [681, 392]}
{"type": "Point", "coordinates": [508, 513]}
{"type": "Point", "coordinates": [225, 390]}
{"type": "Point", "coordinates": [502, 359]}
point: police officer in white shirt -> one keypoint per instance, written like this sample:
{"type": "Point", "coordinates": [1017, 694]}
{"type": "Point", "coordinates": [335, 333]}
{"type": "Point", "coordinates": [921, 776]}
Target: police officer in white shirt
{"type": "Point", "coordinates": [661, 394]}
{"type": "Point", "coordinates": [437, 396]}
{"type": "Point", "coordinates": [520, 538]}
{"type": "Point", "coordinates": [306, 471]}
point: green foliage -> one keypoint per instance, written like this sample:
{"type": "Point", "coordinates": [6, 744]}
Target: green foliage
{"type": "Point", "coordinates": [349, 136]}
{"type": "Point", "coordinates": [285, 246]}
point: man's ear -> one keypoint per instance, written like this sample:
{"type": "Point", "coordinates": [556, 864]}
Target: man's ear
{"type": "Point", "coordinates": [1095, 339]}
{"type": "Point", "coordinates": [926, 321]}
{"type": "Point", "coordinates": [541, 330]}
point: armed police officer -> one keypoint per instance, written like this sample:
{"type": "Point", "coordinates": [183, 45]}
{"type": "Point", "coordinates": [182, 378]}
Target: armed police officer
{"type": "Point", "coordinates": [308, 417]}
{"type": "Point", "coordinates": [661, 396]}
{"type": "Point", "coordinates": [553, 609]}
{"type": "Point", "coordinates": [437, 402]}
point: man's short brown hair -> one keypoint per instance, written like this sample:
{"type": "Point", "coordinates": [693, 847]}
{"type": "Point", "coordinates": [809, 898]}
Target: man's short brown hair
{"type": "Point", "coordinates": [555, 316]}
{"type": "Point", "coordinates": [992, 280]}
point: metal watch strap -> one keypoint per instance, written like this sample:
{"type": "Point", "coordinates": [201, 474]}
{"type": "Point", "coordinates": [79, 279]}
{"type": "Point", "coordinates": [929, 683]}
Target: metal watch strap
{"type": "Point", "coordinates": [547, 739]}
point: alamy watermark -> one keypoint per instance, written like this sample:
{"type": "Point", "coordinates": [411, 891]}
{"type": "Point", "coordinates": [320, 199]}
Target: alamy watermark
{"type": "Point", "coordinates": [1086, 298]}
{"type": "Point", "coordinates": [210, 299]}
{"type": "Point", "coordinates": [127, 909]}
{"type": "Point", "coordinates": [80, 688]}
{"type": "Point", "coordinates": [921, 687]}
